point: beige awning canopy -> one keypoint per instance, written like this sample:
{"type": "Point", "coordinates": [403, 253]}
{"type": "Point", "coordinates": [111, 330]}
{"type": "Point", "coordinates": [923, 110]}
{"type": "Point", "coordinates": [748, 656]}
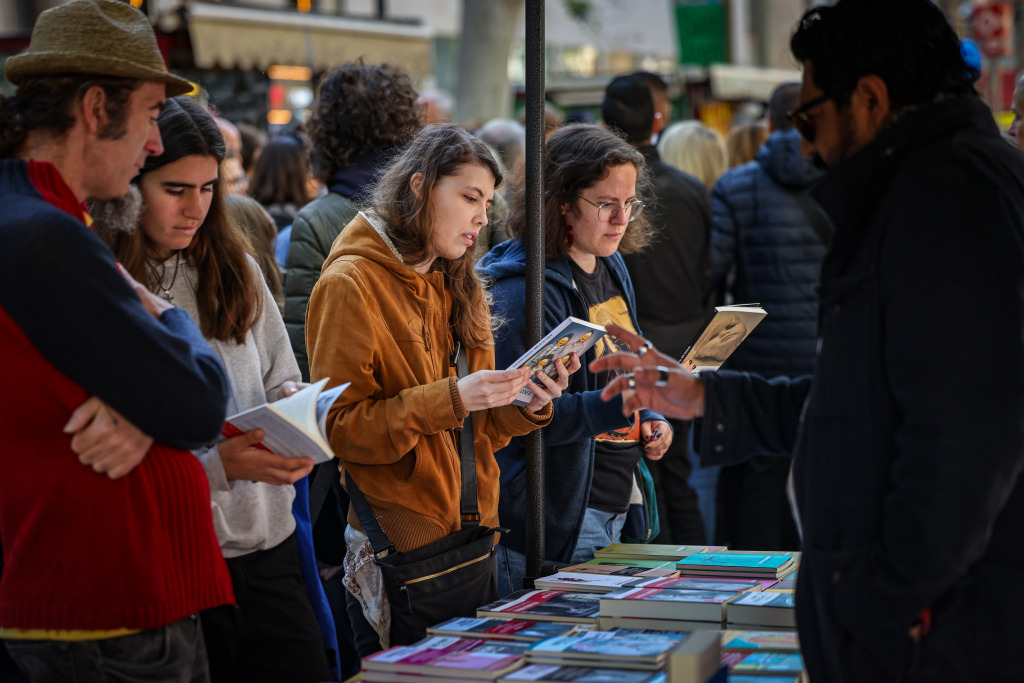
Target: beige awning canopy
{"type": "Point", "coordinates": [732, 82]}
{"type": "Point", "coordinates": [245, 38]}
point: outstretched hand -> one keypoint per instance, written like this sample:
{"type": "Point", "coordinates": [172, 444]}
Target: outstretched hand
{"type": "Point", "coordinates": [652, 380]}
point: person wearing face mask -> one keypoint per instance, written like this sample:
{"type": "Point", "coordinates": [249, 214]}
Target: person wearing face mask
{"type": "Point", "coordinates": [190, 253]}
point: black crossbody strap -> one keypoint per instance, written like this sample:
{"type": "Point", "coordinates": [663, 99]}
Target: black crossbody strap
{"type": "Point", "coordinates": [467, 454]}
{"type": "Point", "coordinates": [320, 485]}
{"type": "Point", "coordinates": [371, 527]}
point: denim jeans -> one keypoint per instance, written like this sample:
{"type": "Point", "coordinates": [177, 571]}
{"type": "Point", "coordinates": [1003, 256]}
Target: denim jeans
{"type": "Point", "coordinates": [172, 654]}
{"type": "Point", "coordinates": [600, 529]}
{"type": "Point", "coordinates": [511, 570]}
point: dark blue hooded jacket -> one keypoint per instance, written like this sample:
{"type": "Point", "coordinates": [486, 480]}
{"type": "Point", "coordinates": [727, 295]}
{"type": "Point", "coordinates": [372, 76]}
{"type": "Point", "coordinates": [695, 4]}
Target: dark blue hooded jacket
{"type": "Point", "coordinates": [580, 414]}
{"type": "Point", "coordinates": [763, 236]}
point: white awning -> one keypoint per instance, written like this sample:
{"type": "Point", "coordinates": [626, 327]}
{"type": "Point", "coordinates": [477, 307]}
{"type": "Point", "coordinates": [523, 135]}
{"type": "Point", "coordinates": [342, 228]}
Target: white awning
{"type": "Point", "coordinates": [248, 38]}
{"type": "Point", "coordinates": [731, 82]}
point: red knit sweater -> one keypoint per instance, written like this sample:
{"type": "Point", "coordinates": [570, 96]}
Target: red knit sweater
{"type": "Point", "coordinates": [81, 551]}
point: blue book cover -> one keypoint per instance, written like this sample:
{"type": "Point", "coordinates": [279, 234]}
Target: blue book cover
{"type": "Point", "coordinates": [746, 561]}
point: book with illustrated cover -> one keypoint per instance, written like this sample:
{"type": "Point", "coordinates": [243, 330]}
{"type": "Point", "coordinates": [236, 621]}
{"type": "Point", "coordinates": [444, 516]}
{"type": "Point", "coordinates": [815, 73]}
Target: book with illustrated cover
{"type": "Point", "coordinates": [737, 565]}
{"type": "Point", "coordinates": [571, 336]}
{"type": "Point", "coordinates": [763, 609]}
{"type": "Point", "coordinates": [613, 652]}
{"type": "Point", "coordinates": [693, 583]}
{"type": "Point", "coordinates": [560, 606]}
{"type": "Point", "coordinates": [586, 582]}
{"type": "Point", "coordinates": [761, 641]}
{"type": "Point", "coordinates": [552, 673]}
{"type": "Point", "coordinates": [462, 658]}
{"type": "Point", "coordinates": [294, 426]}
{"type": "Point", "coordinates": [622, 568]}
{"type": "Point", "coordinates": [679, 625]}
{"type": "Point", "coordinates": [641, 563]}
{"type": "Point", "coordinates": [501, 629]}
{"type": "Point", "coordinates": [775, 663]}
{"type": "Point", "coordinates": [721, 334]}
{"type": "Point", "coordinates": [648, 551]}
{"type": "Point", "coordinates": [667, 603]}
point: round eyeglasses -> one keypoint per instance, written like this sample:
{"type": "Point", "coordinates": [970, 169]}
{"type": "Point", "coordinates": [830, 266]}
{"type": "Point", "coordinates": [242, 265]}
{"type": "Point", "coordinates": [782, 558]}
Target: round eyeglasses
{"type": "Point", "coordinates": [609, 211]}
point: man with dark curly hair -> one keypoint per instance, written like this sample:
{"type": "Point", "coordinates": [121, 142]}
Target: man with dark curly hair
{"type": "Point", "coordinates": [362, 114]}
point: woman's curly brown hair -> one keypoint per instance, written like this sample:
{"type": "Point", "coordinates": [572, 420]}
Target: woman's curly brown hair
{"type": "Point", "coordinates": [360, 108]}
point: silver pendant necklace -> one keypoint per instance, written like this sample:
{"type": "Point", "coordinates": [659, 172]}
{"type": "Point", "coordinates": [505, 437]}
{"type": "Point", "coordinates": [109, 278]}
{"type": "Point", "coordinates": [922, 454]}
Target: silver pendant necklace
{"type": "Point", "coordinates": [160, 280]}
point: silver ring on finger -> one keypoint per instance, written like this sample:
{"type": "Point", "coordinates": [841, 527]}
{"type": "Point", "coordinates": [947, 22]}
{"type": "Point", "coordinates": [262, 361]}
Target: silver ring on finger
{"type": "Point", "coordinates": [647, 346]}
{"type": "Point", "coordinates": [663, 375]}
{"type": "Point", "coordinates": [631, 382]}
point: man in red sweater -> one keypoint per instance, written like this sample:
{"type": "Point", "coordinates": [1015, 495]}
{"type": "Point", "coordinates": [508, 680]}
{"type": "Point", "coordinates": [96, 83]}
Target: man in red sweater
{"type": "Point", "coordinates": [108, 543]}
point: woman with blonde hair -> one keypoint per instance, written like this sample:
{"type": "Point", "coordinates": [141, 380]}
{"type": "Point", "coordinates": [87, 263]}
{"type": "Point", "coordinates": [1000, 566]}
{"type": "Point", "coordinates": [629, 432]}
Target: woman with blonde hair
{"type": "Point", "coordinates": [744, 141]}
{"type": "Point", "coordinates": [694, 148]}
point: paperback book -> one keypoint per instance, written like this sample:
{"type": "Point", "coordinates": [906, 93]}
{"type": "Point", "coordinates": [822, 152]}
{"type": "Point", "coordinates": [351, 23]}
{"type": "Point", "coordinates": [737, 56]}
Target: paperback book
{"type": "Point", "coordinates": [617, 652]}
{"type": "Point", "coordinates": [586, 582]}
{"type": "Point", "coordinates": [761, 641]}
{"type": "Point", "coordinates": [763, 609]}
{"type": "Point", "coordinates": [721, 334]}
{"type": "Point", "coordinates": [664, 569]}
{"type": "Point", "coordinates": [698, 584]}
{"type": "Point", "coordinates": [461, 658]}
{"type": "Point", "coordinates": [294, 426]}
{"type": "Point", "coordinates": [681, 625]}
{"type": "Point", "coordinates": [775, 663]}
{"type": "Point", "coordinates": [571, 336]}
{"type": "Point", "coordinates": [695, 659]}
{"type": "Point", "coordinates": [560, 606]}
{"type": "Point", "coordinates": [737, 565]}
{"type": "Point", "coordinates": [667, 603]}
{"type": "Point", "coordinates": [552, 673]}
{"type": "Point", "coordinates": [502, 629]}
{"type": "Point", "coordinates": [648, 551]}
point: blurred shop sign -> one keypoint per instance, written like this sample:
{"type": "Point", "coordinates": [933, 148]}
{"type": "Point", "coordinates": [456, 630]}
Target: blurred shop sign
{"type": "Point", "coordinates": [992, 28]}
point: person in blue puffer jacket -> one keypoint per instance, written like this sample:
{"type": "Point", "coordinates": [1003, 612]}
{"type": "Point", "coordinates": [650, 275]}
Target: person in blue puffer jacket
{"type": "Point", "coordinates": [767, 244]}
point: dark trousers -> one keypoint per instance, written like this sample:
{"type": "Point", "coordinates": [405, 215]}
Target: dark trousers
{"type": "Point", "coordinates": [678, 511]}
{"type": "Point", "coordinates": [367, 640]}
{"type": "Point", "coordinates": [753, 509]}
{"type": "Point", "coordinates": [272, 635]}
{"type": "Point", "coordinates": [172, 654]}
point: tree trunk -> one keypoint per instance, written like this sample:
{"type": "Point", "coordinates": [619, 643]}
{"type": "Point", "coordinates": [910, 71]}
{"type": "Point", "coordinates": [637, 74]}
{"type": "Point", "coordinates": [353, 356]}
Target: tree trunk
{"type": "Point", "coordinates": [482, 92]}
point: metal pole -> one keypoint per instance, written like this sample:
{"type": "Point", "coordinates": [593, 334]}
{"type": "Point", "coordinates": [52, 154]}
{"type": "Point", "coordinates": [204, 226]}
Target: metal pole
{"type": "Point", "coordinates": [533, 238]}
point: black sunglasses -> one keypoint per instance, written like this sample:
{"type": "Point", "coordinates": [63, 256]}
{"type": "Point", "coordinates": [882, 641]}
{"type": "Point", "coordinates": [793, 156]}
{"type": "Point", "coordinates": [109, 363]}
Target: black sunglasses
{"type": "Point", "coordinates": [801, 120]}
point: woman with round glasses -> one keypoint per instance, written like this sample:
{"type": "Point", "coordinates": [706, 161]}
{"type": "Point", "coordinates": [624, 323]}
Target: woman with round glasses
{"type": "Point", "coordinates": [594, 455]}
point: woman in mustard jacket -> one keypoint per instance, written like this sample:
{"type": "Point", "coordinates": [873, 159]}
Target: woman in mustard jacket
{"type": "Point", "coordinates": [396, 296]}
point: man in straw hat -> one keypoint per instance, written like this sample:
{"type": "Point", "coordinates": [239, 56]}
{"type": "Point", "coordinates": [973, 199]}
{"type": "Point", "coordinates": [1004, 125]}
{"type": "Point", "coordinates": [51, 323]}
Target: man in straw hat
{"type": "Point", "coordinates": [105, 523]}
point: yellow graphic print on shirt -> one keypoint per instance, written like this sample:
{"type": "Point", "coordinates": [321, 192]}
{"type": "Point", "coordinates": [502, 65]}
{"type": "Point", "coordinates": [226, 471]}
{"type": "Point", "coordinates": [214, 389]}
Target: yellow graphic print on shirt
{"type": "Point", "coordinates": [614, 310]}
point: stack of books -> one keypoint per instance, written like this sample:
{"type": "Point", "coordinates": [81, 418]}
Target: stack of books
{"type": "Point", "coordinates": [621, 567]}
{"type": "Point", "coordinates": [502, 629]}
{"type": "Point", "coordinates": [647, 551]}
{"type": "Point", "coordinates": [665, 608]}
{"type": "Point", "coordinates": [558, 606]}
{"type": "Point", "coordinates": [445, 659]}
{"type": "Point", "coordinates": [547, 673]}
{"type": "Point", "coordinates": [777, 661]}
{"type": "Point", "coordinates": [736, 565]}
{"type": "Point", "coordinates": [762, 610]}
{"type": "Point", "coordinates": [582, 582]}
{"type": "Point", "coordinates": [614, 652]}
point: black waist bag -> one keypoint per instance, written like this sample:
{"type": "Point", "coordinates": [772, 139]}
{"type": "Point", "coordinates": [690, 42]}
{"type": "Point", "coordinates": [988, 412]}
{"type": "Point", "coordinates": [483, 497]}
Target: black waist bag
{"type": "Point", "coordinates": [448, 578]}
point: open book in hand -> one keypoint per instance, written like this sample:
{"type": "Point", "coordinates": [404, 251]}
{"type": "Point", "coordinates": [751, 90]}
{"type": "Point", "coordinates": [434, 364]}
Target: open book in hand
{"type": "Point", "coordinates": [721, 334]}
{"type": "Point", "coordinates": [294, 426]}
{"type": "Point", "coordinates": [571, 336]}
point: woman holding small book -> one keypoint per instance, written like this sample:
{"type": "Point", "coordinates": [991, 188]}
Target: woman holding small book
{"type": "Point", "coordinates": [188, 251]}
{"type": "Point", "coordinates": [396, 303]}
{"type": "Point", "coordinates": [591, 212]}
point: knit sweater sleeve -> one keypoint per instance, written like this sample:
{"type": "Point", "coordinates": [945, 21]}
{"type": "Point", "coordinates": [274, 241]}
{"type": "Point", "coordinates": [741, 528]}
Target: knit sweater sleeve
{"type": "Point", "coordinates": [61, 285]}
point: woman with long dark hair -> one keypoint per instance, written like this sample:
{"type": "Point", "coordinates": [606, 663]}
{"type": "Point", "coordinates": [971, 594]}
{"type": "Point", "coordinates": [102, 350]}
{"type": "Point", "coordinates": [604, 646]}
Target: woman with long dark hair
{"type": "Point", "coordinates": [397, 299]}
{"type": "Point", "coordinates": [594, 461]}
{"type": "Point", "coordinates": [188, 251]}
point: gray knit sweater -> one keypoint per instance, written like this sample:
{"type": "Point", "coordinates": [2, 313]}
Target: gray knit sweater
{"type": "Point", "coordinates": [247, 516]}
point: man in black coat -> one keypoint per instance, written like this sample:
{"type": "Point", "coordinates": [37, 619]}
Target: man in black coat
{"type": "Point", "coordinates": [908, 440]}
{"type": "Point", "coordinates": [672, 279]}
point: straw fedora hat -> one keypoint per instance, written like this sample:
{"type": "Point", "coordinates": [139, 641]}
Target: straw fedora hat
{"type": "Point", "coordinates": [99, 37]}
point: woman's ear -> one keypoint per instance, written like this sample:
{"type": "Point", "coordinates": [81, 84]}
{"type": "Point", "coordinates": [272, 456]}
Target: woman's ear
{"type": "Point", "coordinates": [416, 184]}
{"type": "Point", "coordinates": [565, 208]}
